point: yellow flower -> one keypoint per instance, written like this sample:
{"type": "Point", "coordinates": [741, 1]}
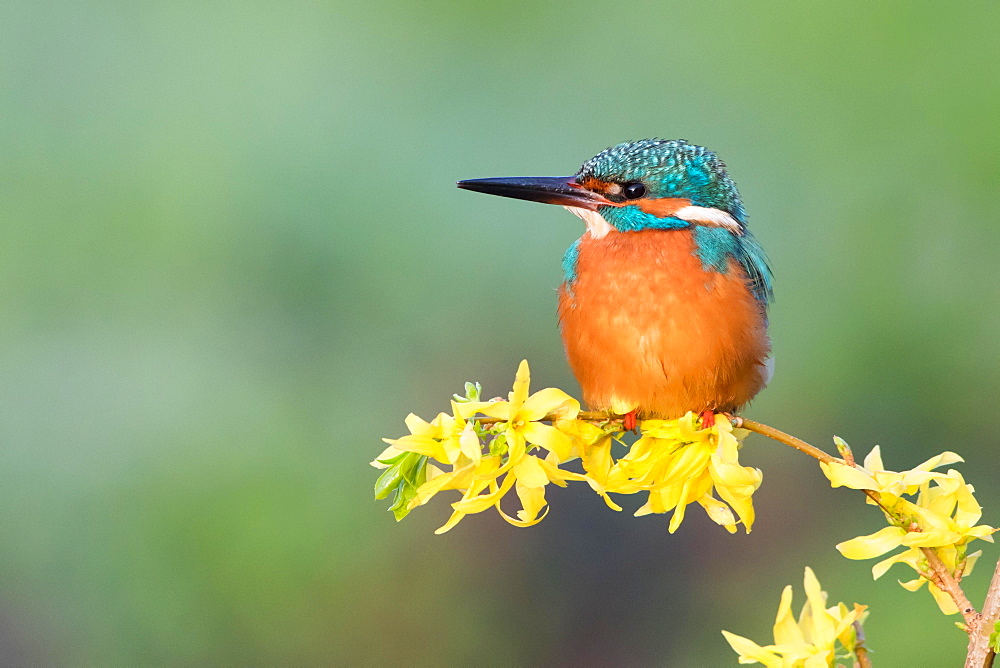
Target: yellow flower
{"type": "Point", "coordinates": [521, 415]}
{"type": "Point", "coordinates": [438, 439]}
{"type": "Point", "coordinates": [810, 642]}
{"type": "Point", "coordinates": [484, 479]}
{"type": "Point", "coordinates": [488, 448]}
{"type": "Point", "coordinates": [943, 517]}
{"type": "Point", "coordinates": [678, 464]}
{"type": "Point", "coordinates": [889, 484]}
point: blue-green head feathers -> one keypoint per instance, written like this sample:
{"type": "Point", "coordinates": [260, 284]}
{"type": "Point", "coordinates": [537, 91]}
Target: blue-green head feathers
{"type": "Point", "coordinates": [668, 168]}
{"type": "Point", "coordinates": [658, 169]}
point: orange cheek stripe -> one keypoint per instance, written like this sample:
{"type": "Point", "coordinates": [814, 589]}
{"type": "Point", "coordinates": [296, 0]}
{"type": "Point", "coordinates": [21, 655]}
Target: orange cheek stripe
{"type": "Point", "coordinates": [661, 208]}
{"type": "Point", "coordinates": [595, 185]}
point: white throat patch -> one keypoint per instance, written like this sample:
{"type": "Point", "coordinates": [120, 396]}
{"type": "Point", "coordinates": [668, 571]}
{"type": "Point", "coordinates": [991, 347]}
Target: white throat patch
{"type": "Point", "coordinates": [596, 225]}
{"type": "Point", "coordinates": [708, 216]}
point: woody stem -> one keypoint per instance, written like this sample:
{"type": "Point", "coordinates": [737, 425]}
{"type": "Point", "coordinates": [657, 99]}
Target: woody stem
{"type": "Point", "coordinates": [980, 654]}
{"type": "Point", "coordinates": [940, 576]}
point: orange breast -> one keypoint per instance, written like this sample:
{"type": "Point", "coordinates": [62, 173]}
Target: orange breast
{"type": "Point", "coordinates": [645, 326]}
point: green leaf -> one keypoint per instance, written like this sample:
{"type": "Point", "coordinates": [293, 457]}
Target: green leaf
{"type": "Point", "coordinates": [387, 482]}
{"type": "Point", "coordinates": [498, 446]}
{"type": "Point", "coordinates": [472, 393]}
{"type": "Point", "coordinates": [995, 638]}
{"type": "Point", "coordinates": [402, 478]}
{"type": "Point", "coordinates": [392, 460]}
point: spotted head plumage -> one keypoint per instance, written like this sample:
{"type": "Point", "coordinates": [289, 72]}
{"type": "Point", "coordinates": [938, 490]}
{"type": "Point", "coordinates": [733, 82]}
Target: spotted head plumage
{"type": "Point", "coordinates": [665, 168]}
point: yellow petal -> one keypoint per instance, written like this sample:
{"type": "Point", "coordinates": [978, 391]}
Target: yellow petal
{"type": "Point", "coordinates": [969, 511]}
{"type": "Point", "coordinates": [622, 406]}
{"type": "Point", "coordinates": [516, 448]}
{"type": "Point", "coordinates": [691, 460]}
{"type": "Point", "coordinates": [748, 649]}
{"type": "Point", "coordinates": [983, 531]}
{"type": "Point", "coordinates": [558, 476]}
{"type": "Point", "coordinates": [743, 505]}
{"type": "Point", "coordinates": [822, 628]}
{"type": "Point", "coordinates": [931, 538]}
{"type": "Point", "coordinates": [689, 427]}
{"type": "Point", "coordinates": [691, 490]}
{"type": "Point", "coordinates": [477, 503]}
{"type": "Point", "coordinates": [550, 401]}
{"type": "Point", "coordinates": [786, 631]}
{"type": "Point", "coordinates": [466, 409]}
{"type": "Point", "coordinates": [579, 429]}
{"type": "Point", "coordinates": [427, 490]}
{"type": "Point", "coordinates": [597, 460]}
{"type": "Point", "coordinates": [522, 523]}
{"type": "Point", "coordinates": [549, 438]}
{"type": "Point", "coordinates": [845, 632]}
{"type": "Point", "coordinates": [866, 547]}
{"type": "Point", "coordinates": [679, 509]}
{"type": "Point", "coordinates": [842, 475]}
{"type": "Point", "coordinates": [927, 518]}
{"type": "Point", "coordinates": [735, 476]}
{"type": "Point", "coordinates": [422, 445]}
{"type": "Point", "coordinates": [945, 603]}
{"type": "Point", "coordinates": [913, 585]}
{"type": "Point", "coordinates": [417, 425]}
{"type": "Point", "coordinates": [718, 512]}
{"type": "Point", "coordinates": [659, 428]}
{"type": "Point", "coordinates": [530, 472]}
{"type": "Point", "coordinates": [944, 459]}
{"type": "Point", "coordinates": [911, 557]}
{"type": "Point", "coordinates": [470, 445]}
{"type": "Point", "coordinates": [498, 409]}
{"type": "Point", "coordinates": [821, 659]}
{"type": "Point", "coordinates": [455, 518]}
{"type": "Point", "coordinates": [532, 499]}
{"type": "Point", "coordinates": [873, 462]}
{"type": "Point", "coordinates": [521, 381]}
{"type": "Point", "coordinates": [907, 482]}
{"type": "Point", "coordinates": [970, 562]}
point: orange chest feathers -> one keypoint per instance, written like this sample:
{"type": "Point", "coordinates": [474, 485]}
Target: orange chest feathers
{"type": "Point", "coordinates": [646, 326]}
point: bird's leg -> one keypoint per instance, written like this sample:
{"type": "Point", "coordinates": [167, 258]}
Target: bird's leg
{"type": "Point", "coordinates": [629, 420]}
{"type": "Point", "coordinates": [707, 419]}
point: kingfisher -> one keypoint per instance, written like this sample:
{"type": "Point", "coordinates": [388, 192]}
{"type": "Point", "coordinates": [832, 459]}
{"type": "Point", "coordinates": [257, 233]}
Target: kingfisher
{"type": "Point", "coordinates": [663, 306]}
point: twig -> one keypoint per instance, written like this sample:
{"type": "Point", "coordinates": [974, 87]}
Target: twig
{"type": "Point", "coordinates": [782, 437]}
{"type": "Point", "coordinates": [587, 416]}
{"type": "Point", "coordinates": [948, 584]}
{"type": "Point", "coordinates": [860, 650]}
{"type": "Point", "coordinates": [939, 572]}
{"type": "Point", "coordinates": [980, 654]}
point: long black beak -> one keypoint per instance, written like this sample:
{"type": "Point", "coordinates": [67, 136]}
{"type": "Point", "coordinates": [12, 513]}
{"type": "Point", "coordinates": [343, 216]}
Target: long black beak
{"type": "Point", "coordinates": [562, 190]}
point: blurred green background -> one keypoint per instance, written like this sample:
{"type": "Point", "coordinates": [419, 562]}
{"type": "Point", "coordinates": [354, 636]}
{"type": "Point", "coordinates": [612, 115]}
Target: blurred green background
{"type": "Point", "coordinates": [233, 258]}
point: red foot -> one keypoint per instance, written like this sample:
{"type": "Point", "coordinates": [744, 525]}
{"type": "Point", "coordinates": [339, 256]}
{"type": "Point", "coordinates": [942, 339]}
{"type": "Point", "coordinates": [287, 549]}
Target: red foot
{"type": "Point", "coordinates": [707, 419]}
{"type": "Point", "coordinates": [629, 420]}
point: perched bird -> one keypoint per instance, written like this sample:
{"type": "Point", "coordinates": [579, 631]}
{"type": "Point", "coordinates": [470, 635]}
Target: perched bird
{"type": "Point", "coordinates": [663, 309]}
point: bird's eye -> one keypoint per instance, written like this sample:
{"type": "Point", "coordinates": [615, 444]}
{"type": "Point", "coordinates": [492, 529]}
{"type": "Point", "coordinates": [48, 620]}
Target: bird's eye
{"type": "Point", "coordinates": [633, 190]}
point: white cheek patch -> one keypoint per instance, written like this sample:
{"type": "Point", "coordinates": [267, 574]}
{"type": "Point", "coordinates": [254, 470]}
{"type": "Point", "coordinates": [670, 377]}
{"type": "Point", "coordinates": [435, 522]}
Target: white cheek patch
{"type": "Point", "coordinates": [596, 225]}
{"type": "Point", "coordinates": [708, 216]}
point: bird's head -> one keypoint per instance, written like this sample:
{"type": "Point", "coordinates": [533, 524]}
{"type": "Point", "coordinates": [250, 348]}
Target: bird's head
{"type": "Point", "coordinates": [651, 184]}
{"type": "Point", "coordinates": [646, 184]}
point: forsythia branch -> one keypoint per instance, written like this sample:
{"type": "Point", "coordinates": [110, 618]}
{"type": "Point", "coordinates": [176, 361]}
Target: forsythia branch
{"type": "Point", "coordinates": [980, 654]}
{"type": "Point", "coordinates": [939, 572]}
{"type": "Point", "coordinates": [782, 437]}
{"type": "Point", "coordinates": [485, 449]}
{"type": "Point", "coordinates": [860, 649]}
